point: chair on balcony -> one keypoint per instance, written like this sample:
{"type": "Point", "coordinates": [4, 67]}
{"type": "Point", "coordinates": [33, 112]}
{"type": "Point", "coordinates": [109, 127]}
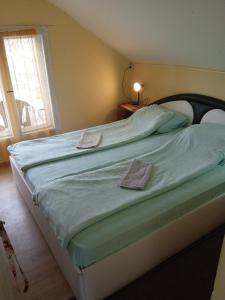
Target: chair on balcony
{"type": "Point", "coordinates": [23, 112]}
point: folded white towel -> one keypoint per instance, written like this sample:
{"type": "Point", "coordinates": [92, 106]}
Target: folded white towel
{"type": "Point", "coordinates": [89, 140]}
{"type": "Point", "coordinates": [137, 175]}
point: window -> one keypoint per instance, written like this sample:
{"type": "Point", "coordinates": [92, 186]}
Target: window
{"type": "Point", "coordinates": [25, 102]}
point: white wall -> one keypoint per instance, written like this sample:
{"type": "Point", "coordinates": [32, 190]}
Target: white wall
{"type": "Point", "coordinates": [179, 32]}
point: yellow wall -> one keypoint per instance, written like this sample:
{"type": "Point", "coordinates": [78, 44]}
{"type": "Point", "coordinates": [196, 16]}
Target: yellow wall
{"type": "Point", "coordinates": [164, 80]}
{"type": "Point", "coordinates": [87, 73]}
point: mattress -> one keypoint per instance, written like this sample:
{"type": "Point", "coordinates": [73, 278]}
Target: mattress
{"type": "Point", "coordinates": [127, 226]}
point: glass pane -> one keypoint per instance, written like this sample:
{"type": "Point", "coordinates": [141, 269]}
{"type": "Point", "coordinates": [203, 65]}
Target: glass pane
{"type": "Point", "coordinates": [5, 129]}
{"type": "Point", "coordinates": [28, 74]}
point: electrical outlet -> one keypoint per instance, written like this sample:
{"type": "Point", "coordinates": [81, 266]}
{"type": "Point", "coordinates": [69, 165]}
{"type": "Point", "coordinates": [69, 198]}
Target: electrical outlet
{"type": "Point", "coordinates": [131, 66]}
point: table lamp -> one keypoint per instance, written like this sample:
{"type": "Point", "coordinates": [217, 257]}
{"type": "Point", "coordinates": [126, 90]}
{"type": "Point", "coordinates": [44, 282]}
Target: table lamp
{"type": "Point", "coordinates": [137, 88]}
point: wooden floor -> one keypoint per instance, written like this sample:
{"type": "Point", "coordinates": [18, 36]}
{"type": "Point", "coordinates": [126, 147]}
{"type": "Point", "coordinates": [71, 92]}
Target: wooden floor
{"type": "Point", "coordinates": [187, 276]}
{"type": "Point", "coordinates": [45, 278]}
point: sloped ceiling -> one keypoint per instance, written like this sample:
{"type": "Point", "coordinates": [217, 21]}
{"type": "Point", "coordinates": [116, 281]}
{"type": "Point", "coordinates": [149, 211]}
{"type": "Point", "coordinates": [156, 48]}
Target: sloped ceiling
{"type": "Point", "coordinates": [181, 32]}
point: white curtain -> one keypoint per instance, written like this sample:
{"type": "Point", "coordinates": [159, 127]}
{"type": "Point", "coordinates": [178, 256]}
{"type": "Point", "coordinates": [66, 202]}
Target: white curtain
{"type": "Point", "coordinates": [25, 110]}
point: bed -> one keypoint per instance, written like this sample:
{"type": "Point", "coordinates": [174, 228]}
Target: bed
{"type": "Point", "coordinates": [98, 273]}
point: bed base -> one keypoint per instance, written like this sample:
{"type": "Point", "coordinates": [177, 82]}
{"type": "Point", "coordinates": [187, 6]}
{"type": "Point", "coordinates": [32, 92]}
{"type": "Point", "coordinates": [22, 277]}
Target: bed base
{"type": "Point", "coordinates": [112, 273]}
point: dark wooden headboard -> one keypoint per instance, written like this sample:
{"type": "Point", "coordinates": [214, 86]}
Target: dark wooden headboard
{"type": "Point", "coordinates": [200, 103]}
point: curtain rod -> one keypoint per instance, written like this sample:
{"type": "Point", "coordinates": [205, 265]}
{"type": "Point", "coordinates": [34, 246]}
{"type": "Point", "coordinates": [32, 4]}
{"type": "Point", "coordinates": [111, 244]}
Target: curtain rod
{"type": "Point", "coordinates": [6, 28]}
{"type": "Point", "coordinates": [9, 27]}
{"type": "Point", "coordinates": [24, 25]}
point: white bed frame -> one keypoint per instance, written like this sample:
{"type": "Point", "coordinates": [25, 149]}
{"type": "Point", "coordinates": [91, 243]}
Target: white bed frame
{"type": "Point", "coordinates": [112, 273]}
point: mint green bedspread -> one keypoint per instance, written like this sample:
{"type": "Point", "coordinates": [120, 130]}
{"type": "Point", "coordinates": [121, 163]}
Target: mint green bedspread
{"type": "Point", "coordinates": [75, 203]}
{"type": "Point", "coordinates": [141, 124]}
{"type": "Point", "coordinates": [134, 223]}
{"type": "Point", "coordinates": [42, 174]}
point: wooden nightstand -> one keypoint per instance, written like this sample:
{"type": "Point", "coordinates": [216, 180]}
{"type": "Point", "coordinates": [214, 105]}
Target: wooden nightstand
{"type": "Point", "coordinates": [127, 109]}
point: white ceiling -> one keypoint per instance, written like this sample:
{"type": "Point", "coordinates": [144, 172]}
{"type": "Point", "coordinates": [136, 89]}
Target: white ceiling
{"type": "Point", "coordinates": [182, 32]}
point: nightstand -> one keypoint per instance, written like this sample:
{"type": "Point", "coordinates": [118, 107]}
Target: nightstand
{"type": "Point", "coordinates": [127, 109]}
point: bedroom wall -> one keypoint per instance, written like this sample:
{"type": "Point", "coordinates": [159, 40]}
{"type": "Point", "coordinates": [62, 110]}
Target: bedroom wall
{"type": "Point", "coordinates": [87, 73]}
{"type": "Point", "coordinates": [164, 80]}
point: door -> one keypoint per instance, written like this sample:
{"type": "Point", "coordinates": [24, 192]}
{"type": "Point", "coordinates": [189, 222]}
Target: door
{"type": "Point", "coordinates": [25, 99]}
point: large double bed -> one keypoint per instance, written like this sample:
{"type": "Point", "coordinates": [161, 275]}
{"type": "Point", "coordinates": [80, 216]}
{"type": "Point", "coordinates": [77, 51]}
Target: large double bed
{"type": "Point", "coordinates": [102, 236]}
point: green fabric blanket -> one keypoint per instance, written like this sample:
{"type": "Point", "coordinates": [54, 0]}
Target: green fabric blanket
{"type": "Point", "coordinates": [141, 124]}
{"type": "Point", "coordinates": [73, 203]}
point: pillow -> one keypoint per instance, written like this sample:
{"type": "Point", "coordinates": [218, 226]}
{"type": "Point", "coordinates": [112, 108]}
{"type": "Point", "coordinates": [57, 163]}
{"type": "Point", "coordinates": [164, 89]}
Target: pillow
{"type": "Point", "coordinates": [180, 106]}
{"type": "Point", "coordinates": [152, 113]}
{"type": "Point", "coordinates": [177, 121]}
{"type": "Point", "coordinates": [160, 119]}
{"type": "Point", "coordinates": [214, 116]}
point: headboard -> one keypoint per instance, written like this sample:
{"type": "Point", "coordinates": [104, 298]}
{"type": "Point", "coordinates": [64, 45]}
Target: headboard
{"type": "Point", "coordinates": [201, 104]}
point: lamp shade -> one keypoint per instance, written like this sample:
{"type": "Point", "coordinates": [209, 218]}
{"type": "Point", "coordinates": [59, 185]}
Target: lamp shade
{"type": "Point", "coordinates": [137, 86]}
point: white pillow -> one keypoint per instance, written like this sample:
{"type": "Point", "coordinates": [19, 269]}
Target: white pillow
{"type": "Point", "coordinates": [181, 106]}
{"type": "Point", "coordinates": [214, 116]}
